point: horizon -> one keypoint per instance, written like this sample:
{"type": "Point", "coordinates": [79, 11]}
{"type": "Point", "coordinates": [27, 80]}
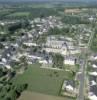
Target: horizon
{"type": "Point", "coordinates": [48, 0]}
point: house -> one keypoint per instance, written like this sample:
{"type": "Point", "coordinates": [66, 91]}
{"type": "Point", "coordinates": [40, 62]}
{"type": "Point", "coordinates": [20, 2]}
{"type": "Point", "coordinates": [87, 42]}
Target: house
{"type": "Point", "coordinates": [94, 66]}
{"type": "Point", "coordinates": [92, 96]}
{"type": "Point", "coordinates": [4, 60]}
{"type": "Point", "coordinates": [34, 57]}
{"type": "Point", "coordinates": [93, 73]}
{"type": "Point", "coordinates": [37, 20]}
{"type": "Point", "coordinates": [8, 55]}
{"type": "Point", "coordinates": [92, 78]}
{"type": "Point", "coordinates": [19, 55]}
{"type": "Point", "coordinates": [1, 23]}
{"type": "Point", "coordinates": [2, 64]}
{"type": "Point", "coordinates": [93, 57]}
{"type": "Point", "coordinates": [93, 92]}
{"type": "Point", "coordinates": [14, 58]}
{"type": "Point", "coordinates": [69, 86]}
{"type": "Point", "coordinates": [70, 60]}
{"type": "Point", "coordinates": [30, 36]}
{"type": "Point", "coordinates": [40, 33]}
{"type": "Point", "coordinates": [30, 44]}
{"type": "Point", "coordinates": [6, 47]}
{"type": "Point", "coordinates": [55, 50]}
{"type": "Point", "coordinates": [55, 44]}
{"type": "Point", "coordinates": [8, 66]}
{"type": "Point", "coordinates": [91, 18]}
{"type": "Point", "coordinates": [92, 83]}
{"type": "Point", "coordinates": [43, 62]}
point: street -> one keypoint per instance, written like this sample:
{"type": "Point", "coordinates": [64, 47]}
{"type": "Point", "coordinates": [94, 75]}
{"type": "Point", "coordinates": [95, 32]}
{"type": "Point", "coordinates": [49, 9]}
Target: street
{"type": "Point", "coordinates": [83, 69]}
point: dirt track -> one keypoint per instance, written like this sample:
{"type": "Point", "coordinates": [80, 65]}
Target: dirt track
{"type": "Point", "coordinates": [37, 96]}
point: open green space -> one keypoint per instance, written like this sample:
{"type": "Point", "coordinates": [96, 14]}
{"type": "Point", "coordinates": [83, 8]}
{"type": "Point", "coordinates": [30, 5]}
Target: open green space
{"type": "Point", "coordinates": [19, 14]}
{"type": "Point", "coordinates": [43, 80]}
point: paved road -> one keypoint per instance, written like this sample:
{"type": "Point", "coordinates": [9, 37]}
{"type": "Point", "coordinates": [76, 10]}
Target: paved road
{"type": "Point", "coordinates": [82, 80]}
{"type": "Point", "coordinates": [83, 69]}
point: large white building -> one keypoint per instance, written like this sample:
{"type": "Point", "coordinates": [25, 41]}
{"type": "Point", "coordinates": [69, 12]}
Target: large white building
{"type": "Point", "coordinates": [60, 46]}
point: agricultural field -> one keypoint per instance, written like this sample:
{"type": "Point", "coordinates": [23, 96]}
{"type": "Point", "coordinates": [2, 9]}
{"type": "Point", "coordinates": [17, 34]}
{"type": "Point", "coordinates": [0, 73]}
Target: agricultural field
{"type": "Point", "coordinates": [38, 79]}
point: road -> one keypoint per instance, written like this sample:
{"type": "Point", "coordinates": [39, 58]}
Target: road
{"type": "Point", "coordinates": [83, 69]}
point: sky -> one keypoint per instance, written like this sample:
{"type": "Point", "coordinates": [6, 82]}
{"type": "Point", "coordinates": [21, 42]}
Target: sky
{"type": "Point", "coordinates": [48, 0]}
{"type": "Point", "coordinates": [86, 1]}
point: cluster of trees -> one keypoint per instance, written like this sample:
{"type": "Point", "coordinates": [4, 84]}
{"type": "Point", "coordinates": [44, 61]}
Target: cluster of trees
{"type": "Point", "coordinates": [3, 33]}
{"type": "Point", "coordinates": [33, 12]}
{"type": "Point", "coordinates": [41, 39]}
{"type": "Point", "coordinates": [22, 24]}
{"type": "Point", "coordinates": [58, 61]}
{"type": "Point", "coordinates": [94, 42]}
{"type": "Point", "coordinates": [1, 46]}
{"type": "Point", "coordinates": [69, 19]}
{"type": "Point", "coordinates": [55, 31]}
{"type": "Point", "coordinates": [3, 72]}
{"type": "Point", "coordinates": [23, 61]}
{"type": "Point", "coordinates": [10, 91]}
{"type": "Point", "coordinates": [10, 30]}
{"type": "Point", "coordinates": [4, 37]}
{"type": "Point", "coordinates": [42, 12]}
{"type": "Point", "coordinates": [5, 12]}
{"type": "Point", "coordinates": [66, 31]}
{"type": "Point", "coordinates": [6, 75]}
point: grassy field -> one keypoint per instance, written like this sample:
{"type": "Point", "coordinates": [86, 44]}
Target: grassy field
{"type": "Point", "coordinates": [37, 96]}
{"type": "Point", "coordinates": [43, 80]}
{"type": "Point", "coordinates": [41, 5]}
{"type": "Point", "coordinates": [19, 14]}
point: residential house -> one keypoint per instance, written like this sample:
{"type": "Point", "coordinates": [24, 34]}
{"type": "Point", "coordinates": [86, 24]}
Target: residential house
{"type": "Point", "coordinates": [69, 86]}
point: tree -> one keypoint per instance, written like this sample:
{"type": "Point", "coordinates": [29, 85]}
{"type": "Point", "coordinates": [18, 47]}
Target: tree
{"type": "Point", "coordinates": [41, 39]}
{"type": "Point", "coordinates": [20, 88]}
{"type": "Point", "coordinates": [1, 72]}
{"type": "Point", "coordinates": [54, 31]}
{"type": "Point", "coordinates": [24, 62]}
{"type": "Point", "coordinates": [1, 46]}
{"type": "Point", "coordinates": [58, 61]}
{"type": "Point", "coordinates": [11, 74]}
{"type": "Point", "coordinates": [8, 98]}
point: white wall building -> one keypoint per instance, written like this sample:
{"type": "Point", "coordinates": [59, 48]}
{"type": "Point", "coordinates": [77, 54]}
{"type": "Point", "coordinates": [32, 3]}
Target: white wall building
{"type": "Point", "coordinates": [92, 96]}
{"type": "Point", "coordinates": [60, 46]}
{"type": "Point", "coordinates": [69, 62]}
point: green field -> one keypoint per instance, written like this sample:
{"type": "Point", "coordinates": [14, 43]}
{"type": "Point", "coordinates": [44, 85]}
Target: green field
{"type": "Point", "coordinates": [19, 14]}
{"type": "Point", "coordinates": [43, 80]}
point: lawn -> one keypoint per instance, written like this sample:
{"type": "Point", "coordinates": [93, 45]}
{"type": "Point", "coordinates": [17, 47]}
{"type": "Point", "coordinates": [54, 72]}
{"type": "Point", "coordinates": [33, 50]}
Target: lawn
{"type": "Point", "coordinates": [43, 80]}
